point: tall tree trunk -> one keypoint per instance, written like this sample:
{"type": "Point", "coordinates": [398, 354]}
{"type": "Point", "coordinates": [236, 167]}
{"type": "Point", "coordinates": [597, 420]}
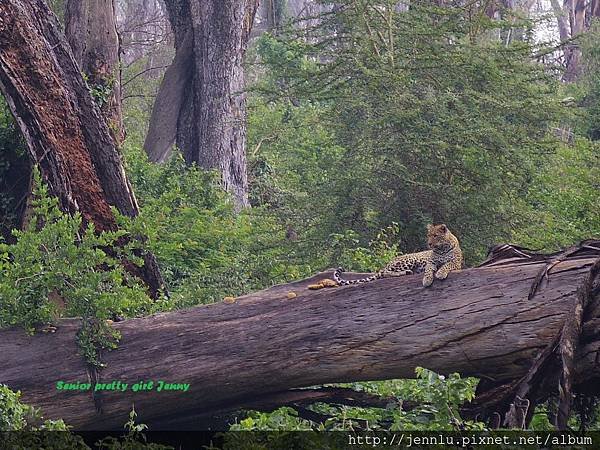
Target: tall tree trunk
{"type": "Point", "coordinates": [595, 8]}
{"type": "Point", "coordinates": [205, 117]}
{"type": "Point", "coordinates": [91, 29]}
{"type": "Point", "coordinates": [65, 132]}
{"type": "Point", "coordinates": [571, 20]}
{"type": "Point", "coordinates": [577, 13]}
{"type": "Point", "coordinates": [269, 16]}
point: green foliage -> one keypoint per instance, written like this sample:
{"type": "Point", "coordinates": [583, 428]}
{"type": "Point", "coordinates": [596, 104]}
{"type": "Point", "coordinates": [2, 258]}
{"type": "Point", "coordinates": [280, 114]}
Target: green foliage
{"type": "Point", "coordinates": [424, 122]}
{"type": "Point", "coordinates": [589, 83]}
{"type": "Point", "coordinates": [58, 8]}
{"type": "Point", "coordinates": [134, 439]}
{"type": "Point", "coordinates": [438, 400]}
{"type": "Point", "coordinates": [101, 90]}
{"type": "Point", "coordinates": [562, 204]}
{"type": "Point", "coordinates": [204, 249]}
{"type": "Point", "coordinates": [441, 398]}
{"type": "Point", "coordinates": [55, 258]}
{"type": "Point", "coordinates": [140, 86]}
{"type": "Point", "coordinates": [95, 336]}
{"type": "Point", "coordinates": [13, 164]}
{"type": "Point", "coordinates": [14, 413]}
{"type": "Point", "coordinates": [282, 419]}
{"type": "Point", "coordinates": [17, 416]}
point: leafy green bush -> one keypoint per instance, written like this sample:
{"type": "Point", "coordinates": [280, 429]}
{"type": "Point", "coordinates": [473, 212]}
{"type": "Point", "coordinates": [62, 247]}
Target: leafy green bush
{"type": "Point", "coordinates": [562, 204]}
{"type": "Point", "coordinates": [441, 398]}
{"type": "Point", "coordinates": [54, 434]}
{"type": "Point", "coordinates": [17, 416]}
{"type": "Point", "coordinates": [204, 249]}
{"type": "Point", "coordinates": [282, 419]}
{"type": "Point", "coordinates": [438, 400]}
{"type": "Point", "coordinates": [57, 268]}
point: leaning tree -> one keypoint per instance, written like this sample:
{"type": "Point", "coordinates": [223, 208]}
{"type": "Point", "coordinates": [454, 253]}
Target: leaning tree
{"type": "Point", "coordinates": [65, 132]}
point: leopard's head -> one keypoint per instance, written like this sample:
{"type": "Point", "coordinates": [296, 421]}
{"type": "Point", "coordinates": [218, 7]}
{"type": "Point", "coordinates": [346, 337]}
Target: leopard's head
{"type": "Point", "coordinates": [439, 237]}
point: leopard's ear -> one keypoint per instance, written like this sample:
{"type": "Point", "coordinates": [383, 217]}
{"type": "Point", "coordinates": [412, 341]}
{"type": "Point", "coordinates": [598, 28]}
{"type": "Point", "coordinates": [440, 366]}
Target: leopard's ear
{"type": "Point", "coordinates": [443, 228]}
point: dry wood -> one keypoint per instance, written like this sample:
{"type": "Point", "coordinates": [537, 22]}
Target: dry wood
{"type": "Point", "coordinates": [477, 322]}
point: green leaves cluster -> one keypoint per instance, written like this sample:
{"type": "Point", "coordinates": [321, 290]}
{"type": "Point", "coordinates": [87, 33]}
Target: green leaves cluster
{"type": "Point", "coordinates": [17, 416]}
{"type": "Point", "coordinates": [406, 117]}
{"type": "Point", "coordinates": [22, 426]}
{"type": "Point", "coordinates": [438, 399]}
{"type": "Point", "coordinates": [57, 268]}
{"type": "Point", "coordinates": [204, 249]}
{"type": "Point", "coordinates": [562, 205]}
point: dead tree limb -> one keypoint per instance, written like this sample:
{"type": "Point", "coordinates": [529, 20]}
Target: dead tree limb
{"type": "Point", "coordinates": [552, 372]}
{"type": "Point", "coordinates": [478, 322]}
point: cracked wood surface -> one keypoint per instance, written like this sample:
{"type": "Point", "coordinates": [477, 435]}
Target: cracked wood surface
{"type": "Point", "coordinates": [477, 322]}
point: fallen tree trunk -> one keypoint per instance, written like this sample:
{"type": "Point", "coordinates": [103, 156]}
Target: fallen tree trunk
{"type": "Point", "coordinates": [478, 322]}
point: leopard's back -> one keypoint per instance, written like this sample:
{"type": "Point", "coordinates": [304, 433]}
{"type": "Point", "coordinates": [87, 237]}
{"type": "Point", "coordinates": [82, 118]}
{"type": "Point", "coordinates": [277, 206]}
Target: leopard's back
{"type": "Point", "coordinates": [410, 262]}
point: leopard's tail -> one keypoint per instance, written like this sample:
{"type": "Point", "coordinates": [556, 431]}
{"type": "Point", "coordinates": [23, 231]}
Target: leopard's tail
{"type": "Point", "coordinates": [342, 282]}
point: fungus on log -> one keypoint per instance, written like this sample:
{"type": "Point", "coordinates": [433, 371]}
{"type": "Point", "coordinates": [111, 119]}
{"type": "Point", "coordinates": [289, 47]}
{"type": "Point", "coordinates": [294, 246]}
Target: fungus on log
{"type": "Point", "coordinates": [480, 322]}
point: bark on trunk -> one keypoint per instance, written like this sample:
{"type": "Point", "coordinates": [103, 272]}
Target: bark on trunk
{"type": "Point", "coordinates": [91, 29]}
{"type": "Point", "coordinates": [478, 322]}
{"type": "Point", "coordinates": [210, 109]}
{"type": "Point", "coordinates": [577, 12]}
{"type": "Point", "coordinates": [571, 20]}
{"type": "Point", "coordinates": [65, 132]}
{"type": "Point", "coordinates": [595, 8]}
{"type": "Point", "coordinates": [269, 16]}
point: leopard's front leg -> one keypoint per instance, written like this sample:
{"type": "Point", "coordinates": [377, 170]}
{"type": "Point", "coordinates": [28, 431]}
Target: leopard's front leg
{"type": "Point", "coordinates": [428, 274]}
{"type": "Point", "coordinates": [442, 272]}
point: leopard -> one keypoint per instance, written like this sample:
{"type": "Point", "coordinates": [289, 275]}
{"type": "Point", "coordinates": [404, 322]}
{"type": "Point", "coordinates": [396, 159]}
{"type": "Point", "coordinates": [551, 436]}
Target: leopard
{"type": "Point", "coordinates": [444, 255]}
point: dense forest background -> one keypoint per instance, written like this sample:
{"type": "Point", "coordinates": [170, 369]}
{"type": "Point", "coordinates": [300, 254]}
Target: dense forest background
{"type": "Point", "coordinates": [366, 120]}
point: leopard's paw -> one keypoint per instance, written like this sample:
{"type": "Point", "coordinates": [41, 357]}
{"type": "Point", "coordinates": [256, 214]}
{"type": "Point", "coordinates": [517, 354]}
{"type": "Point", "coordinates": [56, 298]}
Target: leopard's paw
{"type": "Point", "coordinates": [441, 274]}
{"type": "Point", "coordinates": [427, 280]}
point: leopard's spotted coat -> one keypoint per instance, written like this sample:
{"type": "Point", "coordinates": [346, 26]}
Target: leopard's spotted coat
{"type": "Point", "coordinates": [443, 256]}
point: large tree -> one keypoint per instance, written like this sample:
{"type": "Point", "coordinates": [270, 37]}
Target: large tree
{"type": "Point", "coordinates": [201, 102]}
{"type": "Point", "coordinates": [65, 132]}
{"type": "Point", "coordinates": [573, 18]}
